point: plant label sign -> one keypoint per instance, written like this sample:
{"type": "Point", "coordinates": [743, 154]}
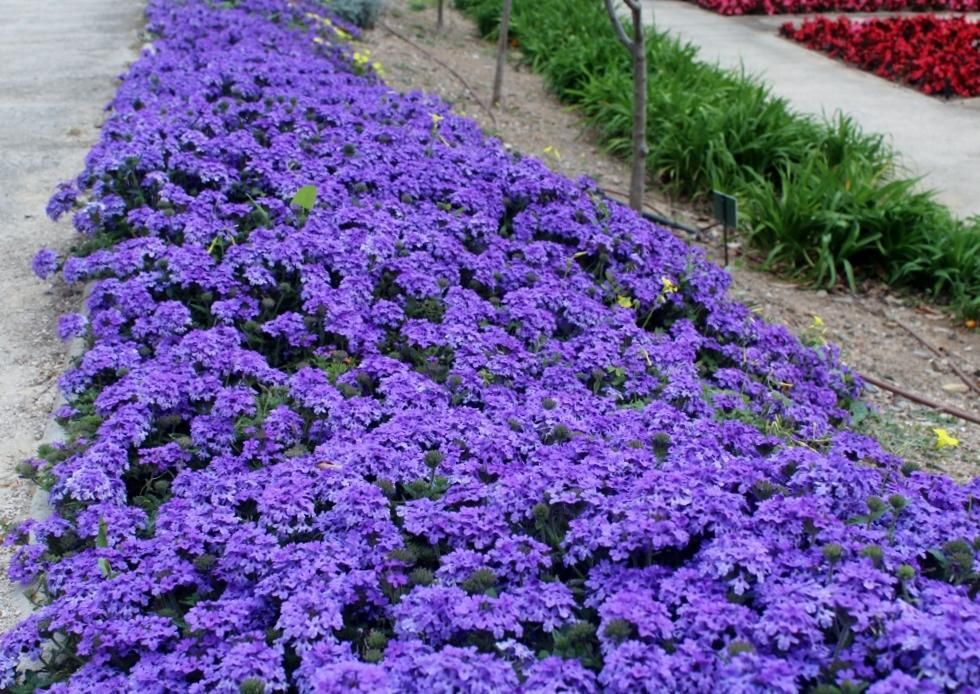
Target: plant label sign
{"type": "Point", "coordinates": [726, 209]}
{"type": "Point", "coordinates": [726, 214]}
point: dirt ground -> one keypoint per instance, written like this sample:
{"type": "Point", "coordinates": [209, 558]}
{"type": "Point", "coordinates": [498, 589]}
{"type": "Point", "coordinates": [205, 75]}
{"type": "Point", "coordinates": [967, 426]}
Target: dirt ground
{"type": "Point", "coordinates": [868, 327]}
{"type": "Point", "coordinates": [58, 69]}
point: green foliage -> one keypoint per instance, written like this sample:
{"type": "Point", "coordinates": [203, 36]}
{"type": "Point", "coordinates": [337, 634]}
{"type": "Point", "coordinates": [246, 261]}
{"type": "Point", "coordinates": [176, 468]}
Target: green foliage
{"type": "Point", "coordinates": [481, 581]}
{"type": "Point", "coordinates": [305, 198]}
{"type": "Point", "coordinates": [824, 201]}
{"type": "Point", "coordinates": [362, 13]}
{"type": "Point", "coordinates": [577, 641]}
{"type": "Point", "coordinates": [253, 685]}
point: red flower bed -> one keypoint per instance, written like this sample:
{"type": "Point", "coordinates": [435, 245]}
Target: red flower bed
{"type": "Point", "coordinates": [933, 54]}
{"type": "Point", "coordinates": [733, 7]}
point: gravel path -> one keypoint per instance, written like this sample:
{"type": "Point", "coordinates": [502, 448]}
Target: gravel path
{"type": "Point", "coordinates": [58, 64]}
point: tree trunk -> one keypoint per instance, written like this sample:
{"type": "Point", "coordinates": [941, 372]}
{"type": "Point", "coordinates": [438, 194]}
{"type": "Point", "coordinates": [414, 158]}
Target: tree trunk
{"type": "Point", "coordinates": [638, 51]}
{"type": "Point", "coordinates": [498, 77]}
{"type": "Point", "coordinates": [640, 147]}
{"type": "Point", "coordinates": [439, 14]}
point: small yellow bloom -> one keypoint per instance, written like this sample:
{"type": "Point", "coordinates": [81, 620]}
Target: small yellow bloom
{"type": "Point", "coordinates": [317, 39]}
{"type": "Point", "coordinates": [668, 285]}
{"type": "Point", "coordinates": [362, 58]}
{"type": "Point", "coordinates": [815, 333]}
{"type": "Point", "coordinates": [378, 69]}
{"type": "Point", "coordinates": [436, 119]}
{"type": "Point", "coordinates": [341, 34]}
{"type": "Point", "coordinates": [625, 302]}
{"type": "Point", "coordinates": [944, 439]}
{"type": "Point", "coordinates": [553, 151]}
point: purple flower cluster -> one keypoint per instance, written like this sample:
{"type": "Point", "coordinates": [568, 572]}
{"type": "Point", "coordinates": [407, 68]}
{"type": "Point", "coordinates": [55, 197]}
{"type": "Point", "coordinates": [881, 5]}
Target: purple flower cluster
{"type": "Point", "coordinates": [462, 425]}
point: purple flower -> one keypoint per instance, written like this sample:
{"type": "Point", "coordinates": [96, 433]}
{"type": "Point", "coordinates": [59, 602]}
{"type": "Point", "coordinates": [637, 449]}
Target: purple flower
{"type": "Point", "coordinates": [62, 201]}
{"type": "Point", "coordinates": [72, 325]}
{"type": "Point", "coordinates": [45, 263]}
{"type": "Point", "coordinates": [463, 426]}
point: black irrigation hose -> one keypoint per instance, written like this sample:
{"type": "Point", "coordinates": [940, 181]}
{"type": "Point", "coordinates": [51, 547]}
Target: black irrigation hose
{"type": "Point", "coordinates": [674, 224]}
{"type": "Point", "coordinates": [658, 219]}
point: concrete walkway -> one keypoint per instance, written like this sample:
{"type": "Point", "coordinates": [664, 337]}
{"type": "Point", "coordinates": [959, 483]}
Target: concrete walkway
{"type": "Point", "coordinates": [937, 139]}
{"type": "Point", "coordinates": [59, 60]}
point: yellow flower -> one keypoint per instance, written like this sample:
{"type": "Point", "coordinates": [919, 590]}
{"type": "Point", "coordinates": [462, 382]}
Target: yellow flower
{"type": "Point", "coordinates": [317, 39]}
{"type": "Point", "coordinates": [815, 334]}
{"type": "Point", "coordinates": [378, 69]}
{"type": "Point", "coordinates": [341, 34]}
{"type": "Point", "coordinates": [436, 119]}
{"type": "Point", "coordinates": [944, 439]}
{"type": "Point", "coordinates": [625, 302]}
{"type": "Point", "coordinates": [668, 285]}
{"type": "Point", "coordinates": [361, 58]}
{"type": "Point", "coordinates": [553, 151]}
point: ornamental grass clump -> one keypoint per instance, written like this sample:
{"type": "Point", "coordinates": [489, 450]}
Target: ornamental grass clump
{"type": "Point", "coordinates": [451, 423]}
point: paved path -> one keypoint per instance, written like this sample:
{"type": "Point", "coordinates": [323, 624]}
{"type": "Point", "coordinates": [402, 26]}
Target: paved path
{"type": "Point", "coordinates": [58, 64]}
{"type": "Point", "coordinates": [937, 139]}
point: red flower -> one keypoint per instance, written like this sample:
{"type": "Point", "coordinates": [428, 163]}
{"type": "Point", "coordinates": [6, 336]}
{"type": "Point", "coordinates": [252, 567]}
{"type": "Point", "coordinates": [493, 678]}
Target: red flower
{"type": "Point", "coordinates": [936, 55]}
{"type": "Point", "coordinates": [735, 7]}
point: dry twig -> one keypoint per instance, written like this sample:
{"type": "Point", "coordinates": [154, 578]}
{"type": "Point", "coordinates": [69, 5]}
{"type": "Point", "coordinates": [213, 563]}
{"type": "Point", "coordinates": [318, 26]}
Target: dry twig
{"type": "Point", "coordinates": [942, 354]}
{"type": "Point", "coordinates": [449, 68]}
{"type": "Point", "coordinates": [948, 409]}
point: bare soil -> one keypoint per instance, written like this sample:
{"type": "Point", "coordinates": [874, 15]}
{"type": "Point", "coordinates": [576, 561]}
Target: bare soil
{"type": "Point", "coordinates": [868, 327]}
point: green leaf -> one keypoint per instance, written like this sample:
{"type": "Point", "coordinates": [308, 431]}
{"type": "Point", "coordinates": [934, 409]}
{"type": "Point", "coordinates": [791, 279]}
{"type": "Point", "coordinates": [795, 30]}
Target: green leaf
{"type": "Point", "coordinates": [940, 558]}
{"type": "Point", "coordinates": [859, 412]}
{"type": "Point", "coordinates": [102, 540]}
{"type": "Point", "coordinates": [305, 198]}
{"type": "Point", "coordinates": [104, 568]}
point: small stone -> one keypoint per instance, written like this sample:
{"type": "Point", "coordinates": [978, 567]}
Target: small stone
{"type": "Point", "coordinates": [956, 388]}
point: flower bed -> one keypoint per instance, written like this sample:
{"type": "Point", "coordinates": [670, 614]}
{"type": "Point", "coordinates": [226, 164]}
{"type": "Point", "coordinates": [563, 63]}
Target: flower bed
{"type": "Point", "coordinates": [822, 200]}
{"type": "Point", "coordinates": [370, 404]}
{"type": "Point", "coordinates": [936, 55]}
{"type": "Point", "coordinates": [737, 7]}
